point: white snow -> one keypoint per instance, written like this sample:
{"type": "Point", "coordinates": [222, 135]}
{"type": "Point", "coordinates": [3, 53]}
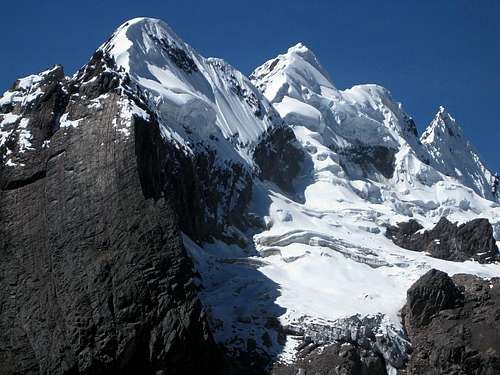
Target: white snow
{"type": "Point", "coordinates": [24, 140]}
{"type": "Point", "coordinates": [7, 119]}
{"type": "Point", "coordinates": [26, 89]}
{"type": "Point", "coordinates": [324, 256]}
{"type": "Point", "coordinates": [202, 104]}
{"type": "Point", "coordinates": [64, 122]}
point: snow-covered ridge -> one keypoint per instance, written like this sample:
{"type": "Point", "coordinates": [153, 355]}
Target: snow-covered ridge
{"type": "Point", "coordinates": [26, 89]}
{"type": "Point", "coordinates": [367, 116]}
{"type": "Point", "coordinates": [451, 153]}
{"type": "Point", "coordinates": [292, 74]}
{"type": "Point", "coordinates": [195, 97]}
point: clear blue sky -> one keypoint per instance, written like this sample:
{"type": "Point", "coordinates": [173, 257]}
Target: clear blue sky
{"type": "Point", "coordinates": [426, 53]}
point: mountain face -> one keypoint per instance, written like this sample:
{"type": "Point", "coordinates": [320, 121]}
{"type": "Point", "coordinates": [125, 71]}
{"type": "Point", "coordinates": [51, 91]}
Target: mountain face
{"type": "Point", "coordinates": [163, 213]}
{"type": "Point", "coordinates": [95, 278]}
{"type": "Point", "coordinates": [451, 153]}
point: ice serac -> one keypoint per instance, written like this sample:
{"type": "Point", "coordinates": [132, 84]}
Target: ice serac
{"type": "Point", "coordinates": [451, 153]}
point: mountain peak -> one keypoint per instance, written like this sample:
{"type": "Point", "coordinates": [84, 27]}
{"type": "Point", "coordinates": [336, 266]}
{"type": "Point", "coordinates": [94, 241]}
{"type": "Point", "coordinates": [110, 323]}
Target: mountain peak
{"type": "Point", "coordinates": [442, 127]}
{"type": "Point", "coordinates": [291, 73]}
{"type": "Point", "coordinates": [298, 47]}
{"type": "Point", "coordinates": [302, 50]}
{"type": "Point", "coordinates": [445, 115]}
{"type": "Point", "coordinates": [143, 40]}
{"type": "Point", "coordinates": [452, 153]}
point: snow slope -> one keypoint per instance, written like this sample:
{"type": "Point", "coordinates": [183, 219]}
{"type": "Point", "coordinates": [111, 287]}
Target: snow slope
{"type": "Point", "coordinates": [325, 247]}
{"type": "Point", "coordinates": [195, 98]}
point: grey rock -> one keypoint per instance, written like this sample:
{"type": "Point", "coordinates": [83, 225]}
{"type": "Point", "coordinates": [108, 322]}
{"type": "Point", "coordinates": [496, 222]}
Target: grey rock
{"type": "Point", "coordinates": [453, 324]}
{"type": "Point", "coordinates": [279, 157]}
{"type": "Point", "coordinates": [334, 359]}
{"type": "Point", "coordinates": [359, 160]}
{"type": "Point", "coordinates": [449, 241]}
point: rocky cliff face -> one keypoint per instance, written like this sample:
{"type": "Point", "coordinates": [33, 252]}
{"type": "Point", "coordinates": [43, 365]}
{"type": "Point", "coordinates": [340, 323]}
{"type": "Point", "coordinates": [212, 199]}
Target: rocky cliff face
{"type": "Point", "coordinates": [94, 275]}
{"type": "Point", "coordinates": [471, 240]}
{"type": "Point", "coordinates": [453, 324]}
{"type": "Point", "coordinates": [279, 157]}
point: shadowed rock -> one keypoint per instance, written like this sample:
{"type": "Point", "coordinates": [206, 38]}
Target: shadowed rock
{"type": "Point", "coordinates": [453, 325]}
{"type": "Point", "coordinates": [338, 358]}
{"type": "Point", "coordinates": [279, 157]}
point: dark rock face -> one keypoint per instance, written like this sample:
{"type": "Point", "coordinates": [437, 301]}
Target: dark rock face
{"type": "Point", "coordinates": [472, 240]}
{"type": "Point", "coordinates": [94, 277]}
{"type": "Point", "coordinates": [178, 55]}
{"type": "Point", "coordinates": [279, 157]}
{"type": "Point", "coordinates": [453, 325]}
{"type": "Point", "coordinates": [432, 293]}
{"type": "Point", "coordinates": [367, 160]}
{"type": "Point", "coordinates": [338, 358]}
{"type": "Point", "coordinates": [206, 197]}
{"type": "Point", "coordinates": [402, 234]}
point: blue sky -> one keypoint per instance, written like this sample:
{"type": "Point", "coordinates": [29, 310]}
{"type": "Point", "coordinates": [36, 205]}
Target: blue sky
{"type": "Point", "coordinates": [427, 53]}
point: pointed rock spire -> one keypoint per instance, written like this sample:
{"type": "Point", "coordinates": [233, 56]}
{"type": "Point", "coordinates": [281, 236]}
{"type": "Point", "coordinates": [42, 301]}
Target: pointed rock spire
{"type": "Point", "coordinates": [450, 152]}
{"type": "Point", "coordinates": [443, 126]}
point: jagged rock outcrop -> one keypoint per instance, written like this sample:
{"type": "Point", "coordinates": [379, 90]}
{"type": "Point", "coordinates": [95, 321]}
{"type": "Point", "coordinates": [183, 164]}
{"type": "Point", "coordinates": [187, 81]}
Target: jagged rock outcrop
{"type": "Point", "coordinates": [279, 156]}
{"type": "Point", "coordinates": [339, 358]}
{"type": "Point", "coordinates": [453, 324]}
{"type": "Point", "coordinates": [370, 160]}
{"type": "Point", "coordinates": [434, 292]}
{"type": "Point", "coordinates": [94, 275]}
{"type": "Point", "coordinates": [449, 241]}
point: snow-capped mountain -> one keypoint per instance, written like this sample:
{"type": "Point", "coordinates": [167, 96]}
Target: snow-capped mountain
{"type": "Point", "coordinates": [280, 187]}
{"type": "Point", "coordinates": [197, 98]}
{"type": "Point", "coordinates": [451, 153]}
{"type": "Point", "coordinates": [367, 168]}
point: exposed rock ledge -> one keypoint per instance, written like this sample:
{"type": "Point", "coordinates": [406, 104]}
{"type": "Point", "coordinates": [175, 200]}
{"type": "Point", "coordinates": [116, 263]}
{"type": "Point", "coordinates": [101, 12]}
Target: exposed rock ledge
{"type": "Point", "coordinates": [449, 241]}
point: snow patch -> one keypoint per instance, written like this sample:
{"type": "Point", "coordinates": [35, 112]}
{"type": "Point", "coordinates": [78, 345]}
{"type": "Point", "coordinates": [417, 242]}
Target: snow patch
{"type": "Point", "coordinates": [64, 122]}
